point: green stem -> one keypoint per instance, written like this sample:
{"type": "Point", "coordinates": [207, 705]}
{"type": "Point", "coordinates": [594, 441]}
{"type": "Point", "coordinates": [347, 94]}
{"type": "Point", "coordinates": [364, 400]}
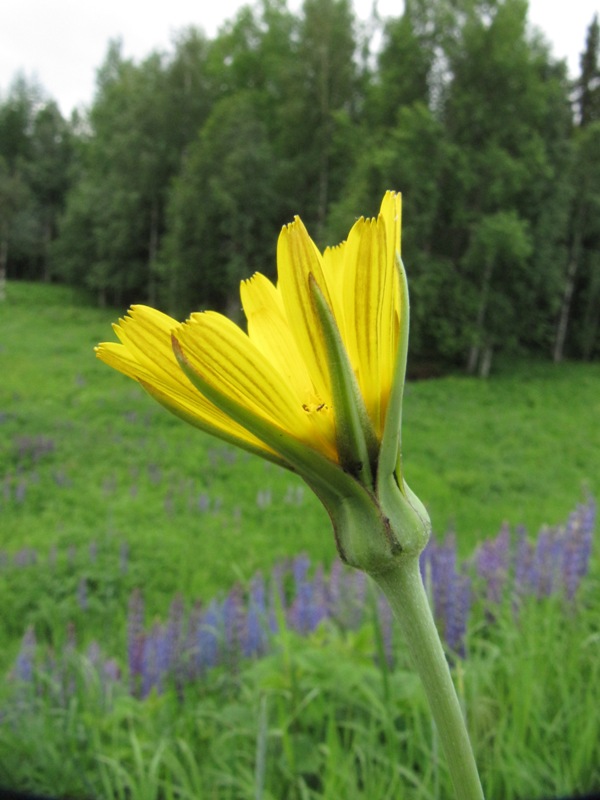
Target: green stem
{"type": "Point", "coordinates": [405, 592]}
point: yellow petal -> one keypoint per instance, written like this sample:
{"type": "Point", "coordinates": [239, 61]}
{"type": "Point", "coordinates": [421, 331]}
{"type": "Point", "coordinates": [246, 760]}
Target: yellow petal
{"type": "Point", "coordinates": [297, 259]}
{"type": "Point", "coordinates": [269, 330]}
{"type": "Point", "coordinates": [210, 419]}
{"type": "Point", "coordinates": [147, 356]}
{"type": "Point", "coordinates": [333, 269]}
{"type": "Point", "coordinates": [146, 334]}
{"type": "Point", "coordinates": [226, 359]}
{"type": "Point", "coordinates": [391, 211]}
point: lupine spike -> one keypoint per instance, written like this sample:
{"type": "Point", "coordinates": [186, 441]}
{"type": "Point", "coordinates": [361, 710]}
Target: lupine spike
{"type": "Point", "coordinates": [241, 625]}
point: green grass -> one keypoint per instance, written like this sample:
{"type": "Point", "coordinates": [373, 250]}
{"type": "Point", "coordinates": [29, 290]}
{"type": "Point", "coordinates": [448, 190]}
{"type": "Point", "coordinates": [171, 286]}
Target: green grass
{"type": "Point", "coordinates": [86, 457]}
{"type": "Point", "coordinates": [318, 720]}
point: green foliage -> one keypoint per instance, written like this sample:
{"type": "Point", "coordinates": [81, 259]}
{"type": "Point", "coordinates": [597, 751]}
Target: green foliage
{"type": "Point", "coordinates": [36, 152]}
{"type": "Point", "coordinates": [174, 185]}
{"type": "Point", "coordinates": [319, 718]}
{"type": "Point", "coordinates": [212, 244]}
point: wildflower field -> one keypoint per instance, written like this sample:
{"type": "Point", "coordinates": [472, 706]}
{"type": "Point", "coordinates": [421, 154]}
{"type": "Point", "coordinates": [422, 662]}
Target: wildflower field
{"type": "Point", "coordinates": [175, 624]}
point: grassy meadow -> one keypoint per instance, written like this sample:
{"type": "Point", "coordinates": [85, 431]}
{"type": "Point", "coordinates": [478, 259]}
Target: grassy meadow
{"type": "Point", "coordinates": [89, 462]}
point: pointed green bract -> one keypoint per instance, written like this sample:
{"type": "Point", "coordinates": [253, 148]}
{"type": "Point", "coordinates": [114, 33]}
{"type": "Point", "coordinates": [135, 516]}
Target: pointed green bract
{"type": "Point", "coordinates": [390, 452]}
{"type": "Point", "coordinates": [356, 440]}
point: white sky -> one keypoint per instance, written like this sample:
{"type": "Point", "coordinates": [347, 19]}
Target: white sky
{"type": "Point", "coordinates": [61, 43]}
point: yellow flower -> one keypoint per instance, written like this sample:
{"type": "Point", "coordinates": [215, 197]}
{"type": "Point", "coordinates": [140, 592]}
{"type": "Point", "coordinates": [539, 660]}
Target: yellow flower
{"type": "Point", "coordinates": [316, 383]}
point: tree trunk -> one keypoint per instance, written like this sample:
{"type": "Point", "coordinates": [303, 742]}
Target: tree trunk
{"type": "Point", "coordinates": [485, 365]}
{"type": "Point", "coordinates": [475, 351]}
{"type": "Point", "coordinates": [565, 311]}
{"type": "Point", "coordinates": [565, 308]}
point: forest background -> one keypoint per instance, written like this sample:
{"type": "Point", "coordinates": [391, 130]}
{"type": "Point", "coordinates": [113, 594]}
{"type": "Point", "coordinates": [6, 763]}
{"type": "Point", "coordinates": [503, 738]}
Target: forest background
{"type": "Point", "coordinates": [174, 184]}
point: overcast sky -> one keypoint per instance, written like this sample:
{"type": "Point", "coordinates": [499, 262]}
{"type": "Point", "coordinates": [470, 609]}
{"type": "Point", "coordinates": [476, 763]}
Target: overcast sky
{"type": "Point", "coordinates": [63, 42]}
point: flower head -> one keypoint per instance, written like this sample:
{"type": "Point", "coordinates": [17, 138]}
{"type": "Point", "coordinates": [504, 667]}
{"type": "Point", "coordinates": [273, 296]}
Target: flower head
{"type": "Point", "coordinates": [316, 382]}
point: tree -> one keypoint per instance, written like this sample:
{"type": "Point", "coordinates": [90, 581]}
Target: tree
{"type": "Point", "coordinates": [17, 226]}
{"type": "Point", "coordinates": [581, 281]}
{"type": "Point", "coordinates": [588, 84]}
{"type": "Point", "coordinates": [404, 66]}
{"type": "Point", "coordinates": [221, 210]}
{"type": "Point", "coordinates": [128, 161]}
{"type": "Point", "coordinates": [579, 318]}
{"type": "Point", "coordinates": [35, 143]}
{"type": "Point", "coordinates": [506, 119]}
{"type": "Point", "coordinates": [49, 173]}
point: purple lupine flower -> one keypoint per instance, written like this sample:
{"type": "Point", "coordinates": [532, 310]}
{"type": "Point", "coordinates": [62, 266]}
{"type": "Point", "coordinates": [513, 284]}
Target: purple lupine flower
{"type": "Point", "coordinates": [164, 656]}
{"type": "Point", "coordinates": [320, 608]}
{"type": "Point", "coordinates": [450, 590]}
{"type": "Point", "coordinates": [108, 670]}
{"type": "Point", "coordinates": [94, 654]}
{"type": "Point", "coordinates": [150, 673]}
{"type": "Point", "coordinates": [155, 474]}
{"type": "Point", "coordinates": [458, 615]}
{"type": "Point", "coordinates": [111, 671]}
{"type": "Point", "coordinates": [234, 616]}
{"type": "Point", "coordinates": [578, 547]}
{"type": "Point", "coordinates": [25, 557]}
{"type": "Point", "coordinates": [524, 575]}
{"type": "Point", "coordinates": [256, 631]}
{"type": "Point", "coordinates": [492, 561]}
{"type": "Point", "coordinates": [174, 635]}
{"type": "Point", "coordinates": [309, 606]}
{"type": "Point", "coordinates": [333, 587]}
{"type": "Point", "coordinates": [346, 595]}
{"type": "Point", "coordinates": [24, 665]}
{"type": "Point", "coordinates": [442, 573]}
{"type": "Point", "coordinates": [82, 594]}
{"type": "Point", "coordinates": [299, 610]}
{"type": "Point", "coordinates": [20, 491]}
{"type": "Point", "coordinates": [61, 478]}
{"type": "Point", "coordinates": [157, 660]}
{"type": "Point", "coordinates": [135, 639]}
{"type": "Point", "coordinates": [386, 627]}
{"type": "Point", "coordinates": [207, 648]}
{"type": "Point", "coordinates": [278, 603]}
{"type": "Point", "coordinates": [547, 549]}
{"type": "Point", "coordinates": [203, 502]}
{"type": "Point", "coordinates": [190, 645]}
